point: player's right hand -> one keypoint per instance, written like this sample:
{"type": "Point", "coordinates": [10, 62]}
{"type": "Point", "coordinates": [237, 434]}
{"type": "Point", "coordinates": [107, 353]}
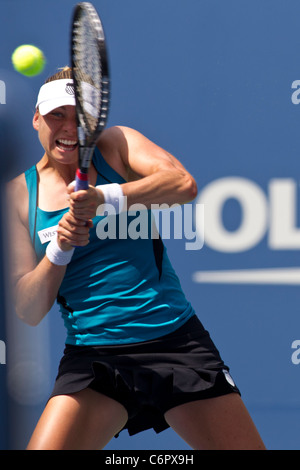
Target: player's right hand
{"type": "Point", "coordinates": [72, 232]}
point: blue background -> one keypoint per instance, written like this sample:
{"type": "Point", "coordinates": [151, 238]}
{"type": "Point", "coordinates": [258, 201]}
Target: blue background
{"type": "Point", "coordinates": [210, 81]}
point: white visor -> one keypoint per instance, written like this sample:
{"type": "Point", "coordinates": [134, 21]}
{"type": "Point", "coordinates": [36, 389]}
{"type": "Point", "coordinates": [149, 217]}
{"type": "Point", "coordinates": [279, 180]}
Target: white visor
{"type": "Point", "coordinates": [54, 94]}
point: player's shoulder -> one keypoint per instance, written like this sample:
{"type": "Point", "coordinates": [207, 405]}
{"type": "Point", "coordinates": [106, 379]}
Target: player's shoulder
{"type": "Point", "coordinates": [17, 193]}
{"type": "Point", "coordinates": [17, 185]}
{"type": "Point", "coordinates": [120, 138]}
{"type": "Point", "coordinates": [112, 139]}
{"type": "Point", "coordinates": [118, 133]}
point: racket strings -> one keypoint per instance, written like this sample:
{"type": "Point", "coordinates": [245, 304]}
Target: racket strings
{"type": "Point", "coordinates": [87, 70]}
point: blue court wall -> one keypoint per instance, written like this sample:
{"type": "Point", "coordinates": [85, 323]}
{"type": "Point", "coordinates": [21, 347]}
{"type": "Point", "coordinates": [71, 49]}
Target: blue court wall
{"type": "Point", "coordinates": [216, 83]}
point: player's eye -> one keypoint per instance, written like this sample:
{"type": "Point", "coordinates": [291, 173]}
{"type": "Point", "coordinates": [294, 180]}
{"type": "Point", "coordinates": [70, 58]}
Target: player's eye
{"type": "Point", "coordinates": [57, 114]}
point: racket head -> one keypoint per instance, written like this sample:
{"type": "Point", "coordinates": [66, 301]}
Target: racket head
{"type": "Point", "coordinates": [89, 61]}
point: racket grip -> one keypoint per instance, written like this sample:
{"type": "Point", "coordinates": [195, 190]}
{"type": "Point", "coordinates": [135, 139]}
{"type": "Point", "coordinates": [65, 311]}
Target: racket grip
{"type": "Point", "coordinates": [81, 180]}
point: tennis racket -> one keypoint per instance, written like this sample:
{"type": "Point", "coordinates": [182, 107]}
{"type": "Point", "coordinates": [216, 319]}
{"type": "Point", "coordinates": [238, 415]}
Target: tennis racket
{"type": "Point", "coordinates": [89, 61]}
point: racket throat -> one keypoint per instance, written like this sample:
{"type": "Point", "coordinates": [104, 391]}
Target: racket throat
{"type": "Point", "coordinates": [82, 173]}
{"type": "Point", "coordinates": [82, 176]}
{"type": "Point", "coordinates": [85, 157]}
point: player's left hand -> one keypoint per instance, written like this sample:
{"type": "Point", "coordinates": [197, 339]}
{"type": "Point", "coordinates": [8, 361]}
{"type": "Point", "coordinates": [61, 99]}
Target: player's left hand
{"type": "Point", "coordinates": [84, 203]}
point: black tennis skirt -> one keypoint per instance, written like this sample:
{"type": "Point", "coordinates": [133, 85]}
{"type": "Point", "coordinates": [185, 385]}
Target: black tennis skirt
{"type": "Point", "coordinates": [149, 378]}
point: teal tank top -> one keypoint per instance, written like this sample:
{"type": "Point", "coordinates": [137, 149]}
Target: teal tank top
{"type": "Point", "coordinates": [116, 290]}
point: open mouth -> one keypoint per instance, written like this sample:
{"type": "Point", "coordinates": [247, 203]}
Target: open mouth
{"type": "Point", "coordinates": [66, 145]}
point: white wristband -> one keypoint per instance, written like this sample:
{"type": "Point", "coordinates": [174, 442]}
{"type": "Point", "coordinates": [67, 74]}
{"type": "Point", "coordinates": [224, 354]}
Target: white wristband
{"type": "Point", "coordinates": [113, 196]}
{"type": "Point", "coordinates": [56, 255]}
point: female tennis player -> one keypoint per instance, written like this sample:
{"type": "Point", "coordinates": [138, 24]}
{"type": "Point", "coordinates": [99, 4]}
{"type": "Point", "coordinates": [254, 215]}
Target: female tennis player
{"type": "Point", "coordinates": [137, 356]}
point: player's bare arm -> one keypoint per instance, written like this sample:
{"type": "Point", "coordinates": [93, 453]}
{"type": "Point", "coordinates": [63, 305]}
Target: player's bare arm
{"type": "Point", "coordinates": [153, 174]}
{"type": "Point", "coordinates": [35, 285]}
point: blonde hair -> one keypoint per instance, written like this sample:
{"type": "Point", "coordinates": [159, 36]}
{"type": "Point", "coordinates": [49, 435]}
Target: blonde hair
{"type": "Point", "coordinates": [67, 72]}
{"type": "Point", "coordinates": [64, 72]}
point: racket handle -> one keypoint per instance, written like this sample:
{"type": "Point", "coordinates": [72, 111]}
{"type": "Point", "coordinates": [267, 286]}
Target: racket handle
{"type": "Point", "coordinates": [81, 180]}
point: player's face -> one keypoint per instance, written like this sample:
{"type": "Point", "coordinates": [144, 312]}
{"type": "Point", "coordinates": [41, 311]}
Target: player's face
{"type": "Point", "coordinates": [58, 133]}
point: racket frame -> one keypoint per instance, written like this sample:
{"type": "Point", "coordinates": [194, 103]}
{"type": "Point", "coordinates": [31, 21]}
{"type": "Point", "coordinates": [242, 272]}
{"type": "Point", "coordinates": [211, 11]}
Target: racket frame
{"type": "Point", "coordinates": [87, 137]}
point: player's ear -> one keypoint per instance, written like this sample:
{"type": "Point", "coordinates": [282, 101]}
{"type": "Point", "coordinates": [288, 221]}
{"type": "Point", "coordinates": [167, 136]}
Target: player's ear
{"type": "Point", "coordinates": [35, 120]}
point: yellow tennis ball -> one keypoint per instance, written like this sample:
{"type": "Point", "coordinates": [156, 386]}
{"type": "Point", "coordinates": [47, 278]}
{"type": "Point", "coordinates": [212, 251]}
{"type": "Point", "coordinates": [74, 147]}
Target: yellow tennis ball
{"type": "Point", "coordinates": [28, 60]}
